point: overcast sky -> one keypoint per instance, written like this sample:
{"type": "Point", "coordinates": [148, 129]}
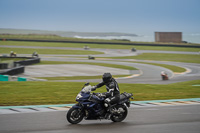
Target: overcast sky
{"type": "Point", "coordinates": [129, 16]}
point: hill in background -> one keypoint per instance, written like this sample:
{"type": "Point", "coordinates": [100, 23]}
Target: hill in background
{"type": "Point", "coordinates": [65, 33]}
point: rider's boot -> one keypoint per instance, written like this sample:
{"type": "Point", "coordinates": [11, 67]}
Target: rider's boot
{"type": "Point", "coordinates": [108, 112]}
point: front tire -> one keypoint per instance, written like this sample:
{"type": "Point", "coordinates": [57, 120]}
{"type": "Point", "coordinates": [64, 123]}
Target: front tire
{"type": "Point", "coordinates": [118, 117]}
{"type": "Point", "coordinates": [74, 116]}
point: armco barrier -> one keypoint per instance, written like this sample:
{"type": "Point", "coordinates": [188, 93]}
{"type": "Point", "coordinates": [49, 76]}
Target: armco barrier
{"type": "Point", "coordinates": [13, 71]}
{"type": "Point", "coordinates": [18, 65]}
{"type": "Point", "coordinates": [27, 62]}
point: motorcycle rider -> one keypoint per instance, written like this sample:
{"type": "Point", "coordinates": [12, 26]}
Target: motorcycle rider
{"type": "Point", "coordinates": [113, 94]}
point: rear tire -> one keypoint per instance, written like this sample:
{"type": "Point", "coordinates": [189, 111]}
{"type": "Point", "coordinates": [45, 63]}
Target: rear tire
{"type": "Point", "coordinates": [74, 116]}
{"type": "Point", "coordinates": [119, 116]}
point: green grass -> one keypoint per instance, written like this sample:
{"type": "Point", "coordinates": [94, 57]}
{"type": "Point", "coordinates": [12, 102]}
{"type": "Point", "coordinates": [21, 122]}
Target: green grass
{"type": "Point", "coordinates": [47, 51]}
{"type": "Point", "coordinates": [158, 92]}
{"type": "Point", "coordinates": [39, 93]}
{"type": "Point", "coordinates": [107, 46]}
{"type": "Point", "coordinates": [164, 57]}
{"type": "Point", "coordinates": [11, 59]}
{"type": "Point", "coordinates": [173, 68]}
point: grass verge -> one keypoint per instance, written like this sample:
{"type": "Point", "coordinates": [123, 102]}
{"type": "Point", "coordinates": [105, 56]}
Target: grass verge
{"type": "Point", "coordinates": [11, 59]}
{"type": "Point", "coordinates": [48, 51]}
{"type": "Point", "coordinates": [39, 93]}
{"type": "Point", "coordinates": [107, 46]}
{"type": "Point", "coordinates": [164, 57]}
{"type": "Point", "coordinates": [173, 68]}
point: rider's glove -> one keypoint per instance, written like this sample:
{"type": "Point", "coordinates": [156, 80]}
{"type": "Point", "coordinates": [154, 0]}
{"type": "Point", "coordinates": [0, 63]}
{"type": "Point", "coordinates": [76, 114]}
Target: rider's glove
{"type": "Point", "coordinates": [101, 95]}
{"type": "Point", "coordinates": [93, 88]}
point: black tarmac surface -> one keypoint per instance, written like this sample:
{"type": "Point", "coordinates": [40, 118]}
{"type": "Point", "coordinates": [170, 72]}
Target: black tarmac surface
{"type": "Point", "coordinates": [162, 119]}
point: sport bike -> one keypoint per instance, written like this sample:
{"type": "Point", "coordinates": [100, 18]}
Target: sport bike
{"type": "Point", "coordinates": [91, 106]}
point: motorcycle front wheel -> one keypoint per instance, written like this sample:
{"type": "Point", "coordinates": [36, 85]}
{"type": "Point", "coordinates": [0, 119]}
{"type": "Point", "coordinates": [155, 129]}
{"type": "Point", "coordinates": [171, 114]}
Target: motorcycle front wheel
{"type": "Point", "coordinates": [74, 116]}
{"type": "Point", "coordinates": [121, 115]}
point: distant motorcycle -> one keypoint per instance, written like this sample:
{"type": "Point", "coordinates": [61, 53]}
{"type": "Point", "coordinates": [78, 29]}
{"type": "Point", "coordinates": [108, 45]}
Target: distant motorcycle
{"type": "Point", "coordinates": [13, 54]}
{"type": "Point", "coordinates": [91, 106]}
{"type": "Point", "coordinates": [35, 54]}
{"type": "Point", "coordinates": [164, 75]}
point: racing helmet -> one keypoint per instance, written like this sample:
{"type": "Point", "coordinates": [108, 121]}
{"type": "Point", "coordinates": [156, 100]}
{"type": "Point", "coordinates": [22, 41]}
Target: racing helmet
{"type": "Point", "coordinates": [107, 77]}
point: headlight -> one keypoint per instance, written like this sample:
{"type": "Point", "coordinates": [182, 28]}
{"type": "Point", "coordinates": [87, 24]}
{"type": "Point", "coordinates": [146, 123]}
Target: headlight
{"type": "Point", "coordinates": [78, 96]}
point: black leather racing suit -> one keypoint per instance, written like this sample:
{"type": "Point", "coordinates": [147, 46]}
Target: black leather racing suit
{"type": "Point", "coordinates": [113, 92]}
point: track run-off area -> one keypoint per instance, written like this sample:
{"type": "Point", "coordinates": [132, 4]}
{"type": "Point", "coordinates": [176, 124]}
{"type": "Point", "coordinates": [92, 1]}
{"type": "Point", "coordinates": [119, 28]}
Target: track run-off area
{"type": "Point", "coordinates": [146, 73]}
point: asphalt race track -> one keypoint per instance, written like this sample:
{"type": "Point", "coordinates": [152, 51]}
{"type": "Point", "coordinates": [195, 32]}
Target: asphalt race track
{"type": "Point", "coordinates": [162, 119]}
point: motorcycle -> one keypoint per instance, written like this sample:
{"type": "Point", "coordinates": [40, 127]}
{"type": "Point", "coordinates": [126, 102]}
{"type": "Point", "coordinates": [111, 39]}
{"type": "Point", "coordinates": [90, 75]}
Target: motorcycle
{"type": "Point", "coordinates": [91, 106]}
{"type": "Point", "coordinates": [35, 54]}
{"type": "Point", "coordinates": [13, 54]}
{"type": "Point", "coordinates": [164, 75]}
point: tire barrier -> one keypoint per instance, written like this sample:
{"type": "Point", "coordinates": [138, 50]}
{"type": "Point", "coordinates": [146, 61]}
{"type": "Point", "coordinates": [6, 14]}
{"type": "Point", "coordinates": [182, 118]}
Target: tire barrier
{"type": "Point", "coordinates": [18, 65]}
{"type": "Point", "coordinates": [3, 65]}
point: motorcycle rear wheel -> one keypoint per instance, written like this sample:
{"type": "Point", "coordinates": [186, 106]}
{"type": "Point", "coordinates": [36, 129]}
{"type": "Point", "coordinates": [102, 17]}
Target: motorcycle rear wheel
{"type": "Point", "coordinates": [74, 116]}
{"type": "Point", "coordinates": [121, 116]}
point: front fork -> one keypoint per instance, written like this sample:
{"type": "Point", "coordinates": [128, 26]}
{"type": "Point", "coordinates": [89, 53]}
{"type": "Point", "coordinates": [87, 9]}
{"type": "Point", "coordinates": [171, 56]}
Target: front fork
{"type": "Point", "coordinates": [128, 103]}
{"type": "Point", "coordinates": [80, 107]}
